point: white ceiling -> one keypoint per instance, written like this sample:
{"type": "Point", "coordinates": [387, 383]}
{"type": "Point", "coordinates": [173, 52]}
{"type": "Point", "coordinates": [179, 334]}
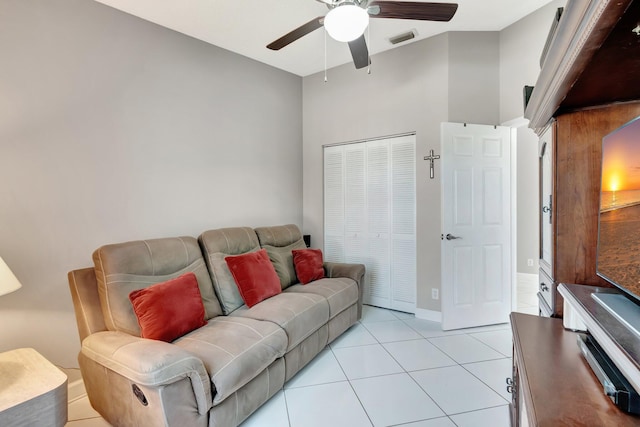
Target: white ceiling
{"type": "Point", "coordinates": [247, 26]}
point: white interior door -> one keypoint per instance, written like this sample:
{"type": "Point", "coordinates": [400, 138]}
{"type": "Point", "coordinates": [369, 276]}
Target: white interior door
{"type": "Point", "coordinates": [476, 245]}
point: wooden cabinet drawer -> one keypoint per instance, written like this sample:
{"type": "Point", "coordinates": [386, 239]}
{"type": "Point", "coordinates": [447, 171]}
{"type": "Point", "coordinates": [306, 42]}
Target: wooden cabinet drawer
{"type": "Point", "coordinates": [546, 294]}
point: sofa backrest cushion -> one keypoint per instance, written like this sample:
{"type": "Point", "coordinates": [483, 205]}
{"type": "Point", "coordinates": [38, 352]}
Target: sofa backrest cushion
{"type": "Point", "coordinates": [279, 241]}
{"type": "Point", "coordinates": [126, 267]}
{"type": "Point", "coordinates": [216, 245]}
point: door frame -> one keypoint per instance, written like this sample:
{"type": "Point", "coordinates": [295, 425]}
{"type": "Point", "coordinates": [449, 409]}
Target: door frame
{"type": "Point", "coordinates": [514, 125]}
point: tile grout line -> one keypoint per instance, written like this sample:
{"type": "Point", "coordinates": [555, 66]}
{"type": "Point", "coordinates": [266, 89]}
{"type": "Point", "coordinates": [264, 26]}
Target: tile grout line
{"type": "Point", "coordinates": [478, 410]}
{"type": "Point", "coordinates": [480, 379]}
{"type": "Point", "coordinates": [490, 346]}
{"type": "Point", "coordinates": [286, 407]}
{"type": "Point", "coordinates": [351, 385]}
{"type": "Point", "coordinates": [462, 366]}
{"type": "Point", "coordinates": [408, 373]}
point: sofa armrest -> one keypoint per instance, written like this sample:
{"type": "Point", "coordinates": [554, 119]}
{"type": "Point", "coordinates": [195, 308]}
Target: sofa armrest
{"type": "Point", "coordinates": [149, 362]}
{"type": "Point", "coordinates": [351, 271]}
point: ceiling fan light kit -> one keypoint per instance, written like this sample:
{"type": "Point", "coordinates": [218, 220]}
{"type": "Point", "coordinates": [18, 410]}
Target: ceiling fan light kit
{"type": "Point", "coordinates": [346, 22]}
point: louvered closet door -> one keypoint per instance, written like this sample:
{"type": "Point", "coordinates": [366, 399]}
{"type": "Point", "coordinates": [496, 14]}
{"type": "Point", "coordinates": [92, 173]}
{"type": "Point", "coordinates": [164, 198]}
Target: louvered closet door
{"type": "Point", "coordinates": [355, 183]}
{"type": "Point", "coordinates": [370, 216]}
{"type": "Point", "coordinates": [403, 223]}
{"type": "Point", "coordinates": [334, 203]}
{"type": "Point", "coordinates": [378, 292]}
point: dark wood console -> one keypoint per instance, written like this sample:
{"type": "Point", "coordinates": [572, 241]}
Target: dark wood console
{"type": "Point", "coordinates": [619, 342]}
{"type": "Point", "coordinates": [553, 384]}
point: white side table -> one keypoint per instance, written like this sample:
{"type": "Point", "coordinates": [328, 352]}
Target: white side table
{"type": "Point", "coordinates": [33, 392]}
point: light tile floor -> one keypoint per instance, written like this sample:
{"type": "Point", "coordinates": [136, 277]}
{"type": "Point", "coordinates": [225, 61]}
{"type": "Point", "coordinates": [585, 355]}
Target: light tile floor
{"type": "Point", "coordinates": [391, 369]}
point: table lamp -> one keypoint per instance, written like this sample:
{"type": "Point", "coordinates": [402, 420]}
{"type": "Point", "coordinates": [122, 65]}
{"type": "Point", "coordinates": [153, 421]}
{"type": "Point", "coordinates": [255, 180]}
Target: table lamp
{"type": "Point", "coordinates": [8, 281]}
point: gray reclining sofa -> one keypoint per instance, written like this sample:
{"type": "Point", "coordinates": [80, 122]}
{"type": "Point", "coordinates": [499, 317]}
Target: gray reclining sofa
{"type": "Point", "coordinates": [220, 373]}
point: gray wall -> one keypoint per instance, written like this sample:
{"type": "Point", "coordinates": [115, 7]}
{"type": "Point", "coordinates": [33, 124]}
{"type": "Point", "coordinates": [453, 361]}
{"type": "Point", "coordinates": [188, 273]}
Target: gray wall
{"type": "Point", "coordinates": [410, 89]}
{"type": "Point", "coordinates": [520, 47]}
{"type": "Point", "coordinates": [474, 80]}
{"type": "Point", "coordinates": [113, 129]}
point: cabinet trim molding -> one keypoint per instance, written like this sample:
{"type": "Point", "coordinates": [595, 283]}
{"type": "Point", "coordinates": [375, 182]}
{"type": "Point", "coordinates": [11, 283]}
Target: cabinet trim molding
{"type": "Point", "coordinates": [583, 28]}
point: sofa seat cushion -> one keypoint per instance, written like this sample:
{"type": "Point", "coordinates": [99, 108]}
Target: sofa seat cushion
{"type": "Point", "coordinates": [299, 314]}
{"type": "Point", "coordinates": [340, 292]}
{"type": "Point", "coordinates": [234, 350]}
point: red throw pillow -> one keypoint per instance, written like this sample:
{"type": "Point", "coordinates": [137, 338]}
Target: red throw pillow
{"type": "Point", "coordinates": [255, 276]}
{"type": "Point", "coordinates": [308, 264]}
{"type": "Point", "coordinates": [170, 309]}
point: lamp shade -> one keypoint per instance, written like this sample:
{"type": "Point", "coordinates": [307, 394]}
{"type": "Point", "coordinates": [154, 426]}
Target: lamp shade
{"type": "Point", "coordinates": [346, 22]}
{"type": "Point", "coordinates": [8, 281]}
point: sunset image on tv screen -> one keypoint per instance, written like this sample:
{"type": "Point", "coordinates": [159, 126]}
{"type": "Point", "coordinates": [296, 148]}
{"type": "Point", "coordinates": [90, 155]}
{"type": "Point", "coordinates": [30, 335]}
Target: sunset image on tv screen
{"type": "Point", "coordinates": [619, 226]}
{"type": "Point", "coordinates": [621, 169]}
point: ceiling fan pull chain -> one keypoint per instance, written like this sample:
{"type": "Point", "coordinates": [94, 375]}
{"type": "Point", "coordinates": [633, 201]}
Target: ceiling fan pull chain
{"type": "Point", "coordinates": [325, 55]}
{"type": "Point", "coordinates": [369, 44]}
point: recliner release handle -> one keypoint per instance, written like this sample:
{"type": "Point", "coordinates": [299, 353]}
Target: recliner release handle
{"type": "Point", "coordinates": [139, 394]}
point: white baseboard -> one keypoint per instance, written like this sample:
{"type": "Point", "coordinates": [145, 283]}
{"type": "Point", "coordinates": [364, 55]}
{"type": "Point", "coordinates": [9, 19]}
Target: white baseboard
{"type": "Point", "coordinates": [76, 390]}
{"type": "Point", "coordinates": [528, 281]}
{"type": "Point", "coordinates": [434, 316]}
{"type": "Point", "coordinates": [75, 385]}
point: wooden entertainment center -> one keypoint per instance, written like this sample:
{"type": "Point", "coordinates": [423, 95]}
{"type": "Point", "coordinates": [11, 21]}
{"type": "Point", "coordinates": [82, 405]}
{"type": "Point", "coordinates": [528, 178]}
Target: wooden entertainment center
{"type": "Point", "coordinates": [589, 85]}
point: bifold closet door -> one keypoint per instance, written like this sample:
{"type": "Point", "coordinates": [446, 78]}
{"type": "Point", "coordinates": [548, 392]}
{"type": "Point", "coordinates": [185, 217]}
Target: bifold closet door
{"type": "Point", "coordinates": [369, 206]}
{"type": "Point", "coordinates": [334, 170]}
{"type": "Point", "coordinates": [403, 224]}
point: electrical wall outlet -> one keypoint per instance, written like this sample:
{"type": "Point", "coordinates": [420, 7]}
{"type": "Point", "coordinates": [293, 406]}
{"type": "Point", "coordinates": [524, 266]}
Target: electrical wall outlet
{"type": "Point", "coordinates": [434, 293]}
{"type": "Point", "coordinates": [530, 262]}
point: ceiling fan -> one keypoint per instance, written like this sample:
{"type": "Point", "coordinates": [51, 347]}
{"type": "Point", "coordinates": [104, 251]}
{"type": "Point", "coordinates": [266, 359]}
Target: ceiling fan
{"type": "Point", "coordinates": [347, 20]}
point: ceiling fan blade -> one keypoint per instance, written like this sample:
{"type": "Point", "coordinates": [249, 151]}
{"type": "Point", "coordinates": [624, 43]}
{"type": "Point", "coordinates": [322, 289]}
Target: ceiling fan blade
{"type": "Point", "coordinates": [299, 32]}
{"type": "Point", "coordinates": [412, 10]}
{"type": "Point", "coordinates": [359, 52]}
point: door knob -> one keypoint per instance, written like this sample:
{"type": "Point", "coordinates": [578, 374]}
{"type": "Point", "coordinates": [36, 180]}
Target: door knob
{"type": "Point", "coordinates": [452, 237]}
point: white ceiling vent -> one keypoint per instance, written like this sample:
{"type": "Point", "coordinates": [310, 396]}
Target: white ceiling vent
{"type": "Point", "coordinates": [403, 37]}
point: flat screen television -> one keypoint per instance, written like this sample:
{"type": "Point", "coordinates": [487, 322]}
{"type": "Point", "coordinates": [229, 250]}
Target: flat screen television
{"type": "Point", "coordinates": [618, 252]}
